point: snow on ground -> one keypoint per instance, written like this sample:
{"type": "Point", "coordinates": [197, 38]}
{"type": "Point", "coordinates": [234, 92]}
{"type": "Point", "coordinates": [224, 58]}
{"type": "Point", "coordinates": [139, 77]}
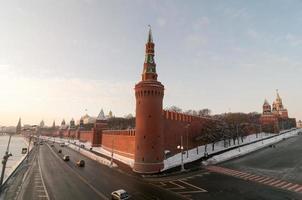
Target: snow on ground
{"type": "Point", "coordinates": [198, 152]}
{"type": "Point", "coordinates": [195, 153]}
{"type": "Point", "coordinates": [249, 148]}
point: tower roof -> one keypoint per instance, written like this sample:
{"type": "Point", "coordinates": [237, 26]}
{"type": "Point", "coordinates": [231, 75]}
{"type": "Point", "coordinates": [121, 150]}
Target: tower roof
{"type": "Point", "coordinates": [150, 38]}
{"type": "Point", "coordinates": [101, 115]}
{"type": "Point", "coordinates": [149, 72]}
{"type": "Point", "coordinates": [265, 102]}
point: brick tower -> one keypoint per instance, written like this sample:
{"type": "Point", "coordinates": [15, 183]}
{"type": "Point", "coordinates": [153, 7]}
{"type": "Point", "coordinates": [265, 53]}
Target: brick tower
{"type": "Point", "coordinates": [149, 93]}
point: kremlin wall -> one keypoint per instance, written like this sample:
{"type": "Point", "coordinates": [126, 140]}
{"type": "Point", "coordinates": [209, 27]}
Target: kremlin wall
{"type": "Point", "coordinates": [156, 131]}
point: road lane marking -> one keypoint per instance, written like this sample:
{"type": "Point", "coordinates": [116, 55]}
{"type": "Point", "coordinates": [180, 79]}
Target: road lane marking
{"type": "Point", "coordinates": [263, 180]}
{"type": "Point", "coordinates": [198, 188]}
{"type": "Point", "coordinates": [287, 185]}
{"type": "Point", "coordinates": [293, 187]}
{"type": "Point", "coordinates": [277, 183]}
{"type": "Point", "coordinates": [80, 177]}
{"type": "Point", "coordinates": [298, 189]}
{"type": "Point", "coordinates": [47, 196]}
{"type": "Point", "coordinates": [280, 184]}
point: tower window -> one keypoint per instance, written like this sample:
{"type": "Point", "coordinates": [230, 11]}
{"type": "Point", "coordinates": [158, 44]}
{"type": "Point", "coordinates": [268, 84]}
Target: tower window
{"type": "Point", "coordinates": [149, 116]}
{"type": "Point", "coordinates": [144, 137]}
{"type": "Point", "coordinates": [143, 159]}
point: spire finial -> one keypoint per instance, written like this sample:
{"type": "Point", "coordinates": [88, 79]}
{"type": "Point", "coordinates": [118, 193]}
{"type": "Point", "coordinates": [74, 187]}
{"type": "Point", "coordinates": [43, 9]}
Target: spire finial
{"type": "Point", "coordinates": [150, 39]}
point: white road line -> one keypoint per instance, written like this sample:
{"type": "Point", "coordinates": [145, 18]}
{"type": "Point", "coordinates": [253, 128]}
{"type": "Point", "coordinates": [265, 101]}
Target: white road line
{"type": "Point", "coordinates": [260, 178]}
{"type": "Point", "coordinates": [280, 184]}
{"type": "Point", "coordinates": [42, 179]}
{"type": "Point", "coordinates": [275, 182]}
{"type": "Point", "coordinates": [262, 181]}
{"type": "Point", "coordinates": [298, 189]}
{"type": "Point", "coordinates": [190, 192]}
{"type": "Point", "coordinates": [269, 181]}
{"type": "Point", "coordinates": [287, 185]}
{"type": "Point", "coordinates": [293, 187]}
{"type": "Point", "coordinates": [179, 187]}
{"type": "Point", "coordinates": [80, 177]}
{"type": "Point", "coordinates": [193, 186]}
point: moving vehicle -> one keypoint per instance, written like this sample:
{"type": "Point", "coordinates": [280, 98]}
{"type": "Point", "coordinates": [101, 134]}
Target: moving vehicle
{"type": "Point", "coordinates": [66, 158]}
{"type": "Point", "coordinates": [120, 194]}
{"type": "Point", "coordinates": [59, 151]}
{"type": "Point", "coordinates": [81, 163]}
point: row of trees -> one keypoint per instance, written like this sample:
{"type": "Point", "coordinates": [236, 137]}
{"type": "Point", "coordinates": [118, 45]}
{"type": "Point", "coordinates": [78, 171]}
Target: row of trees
{"type": "Point", "coordinates": [229, 128]}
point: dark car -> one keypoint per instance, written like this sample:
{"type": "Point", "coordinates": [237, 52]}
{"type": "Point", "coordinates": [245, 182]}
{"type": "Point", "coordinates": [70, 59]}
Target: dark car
{"type": "Point", "coordinates": [81, 163]}
{"type": "Point", "coordinates": [66, 158]}
{"type": "Point", "coordinates": [59, 151]}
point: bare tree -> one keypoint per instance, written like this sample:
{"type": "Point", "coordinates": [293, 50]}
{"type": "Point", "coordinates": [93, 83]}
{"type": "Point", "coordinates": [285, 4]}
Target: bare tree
{"type": "Point", "coordinates": [174, 109]}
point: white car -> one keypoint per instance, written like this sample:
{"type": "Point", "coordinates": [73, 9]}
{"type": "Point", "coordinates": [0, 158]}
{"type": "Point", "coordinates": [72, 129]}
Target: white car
{"type": "Point", "coordinates": [120, 195]}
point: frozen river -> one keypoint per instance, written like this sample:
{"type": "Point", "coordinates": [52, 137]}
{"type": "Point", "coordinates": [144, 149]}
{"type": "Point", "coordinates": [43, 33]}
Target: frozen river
{"type": "Point", "coordinates": [16, 145]}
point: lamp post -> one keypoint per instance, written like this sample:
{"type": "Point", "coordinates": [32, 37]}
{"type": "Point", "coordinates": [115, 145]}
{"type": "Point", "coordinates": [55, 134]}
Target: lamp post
{"type": "Point", "coordinates": [182, 159]}
{"type": "Point", "coordinates": [4, 161]}
{"type": "Point", "coordinates": [111, 161]}
{"type": "Point", "coordinates": [187, 134]}
{"type": "Point", "coordinates": [28, 148]}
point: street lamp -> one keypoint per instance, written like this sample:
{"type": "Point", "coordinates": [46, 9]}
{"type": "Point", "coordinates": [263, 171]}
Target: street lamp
{"type": "Point", "coordinates": [111, 162]}
{"type": "Point", "coordinates": [181, 147]}
{"type": "Point", "coordinates": [4, 161]}
{"type": "Point", "coordinates": [187, 132]}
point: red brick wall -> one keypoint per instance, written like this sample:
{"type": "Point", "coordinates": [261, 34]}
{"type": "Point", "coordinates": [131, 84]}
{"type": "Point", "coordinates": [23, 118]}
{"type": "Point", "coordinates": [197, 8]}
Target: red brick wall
{"type": "Point", "coordinates": [86, 136]}
{"type": "Point", "coordinates": [123, 142]}
{"type": "Point", "coordinates": [175, 125]}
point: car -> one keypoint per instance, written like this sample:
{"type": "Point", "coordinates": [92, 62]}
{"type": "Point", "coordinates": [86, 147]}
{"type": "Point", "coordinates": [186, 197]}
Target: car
{"type": "Point", "coordinates": [52, 145]}
{"type": "Point", "coordinates": [62, 144]}
{"type": "Point", "coordinates": [66, 158]}
{"type": "Point", "coordinates": [120, 194]}
{"type": "Point", "coordinates": [81, 163]}
{"type": "Point", "coordinates": [82, 146]}
{"type": "Point", "coordinates": [41, 143]}
{"type": "Point", "coordinates": [59, 151]}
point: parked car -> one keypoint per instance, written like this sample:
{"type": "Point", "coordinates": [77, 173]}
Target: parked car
{"type": "Point", "coordinates": [24, 150]}
{"type": "Point", "coordinates": [41, 143]}
{"type": "Point", "coordinates": [52, 145]}
{"type": "Point", "coordinates": [59, 151]}
{"type": "Point", "coordinates": [62, 145]}
{"type": "Point", "coordinates": [81, 163]}
{"type": "Point", "coordinates": [66, 158]}
{"type": "Point", "coordinates": [120, 194]}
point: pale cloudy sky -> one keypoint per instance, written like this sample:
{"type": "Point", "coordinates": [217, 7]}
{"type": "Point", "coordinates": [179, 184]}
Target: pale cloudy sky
{"type": "Point", "coordinates": [60, 57]}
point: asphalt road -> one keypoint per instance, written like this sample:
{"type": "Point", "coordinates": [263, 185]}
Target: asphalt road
{"type": "Point", "coordinates": [282, 162]}
{"type": "Point", "coordinates": [64, 180]}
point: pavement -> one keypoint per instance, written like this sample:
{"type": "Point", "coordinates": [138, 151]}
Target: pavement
{"type": "Point", "coordinates": [270, 173]}
{"type": "Point", "coordinates": [52, 178]}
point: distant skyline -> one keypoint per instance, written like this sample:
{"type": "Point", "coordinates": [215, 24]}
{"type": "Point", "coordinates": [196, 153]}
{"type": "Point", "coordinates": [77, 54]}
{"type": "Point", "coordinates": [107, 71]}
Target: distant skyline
{"type": "Point", "coordinates": [58, 58]}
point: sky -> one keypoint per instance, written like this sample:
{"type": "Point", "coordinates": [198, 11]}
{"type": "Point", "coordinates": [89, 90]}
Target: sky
{"type": "Point", "coordinates": [61, 59]}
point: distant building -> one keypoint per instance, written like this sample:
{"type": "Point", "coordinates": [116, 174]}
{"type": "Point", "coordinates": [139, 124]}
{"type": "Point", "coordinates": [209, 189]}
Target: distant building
{"type": "Point", "coordinates": [275, 118]}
